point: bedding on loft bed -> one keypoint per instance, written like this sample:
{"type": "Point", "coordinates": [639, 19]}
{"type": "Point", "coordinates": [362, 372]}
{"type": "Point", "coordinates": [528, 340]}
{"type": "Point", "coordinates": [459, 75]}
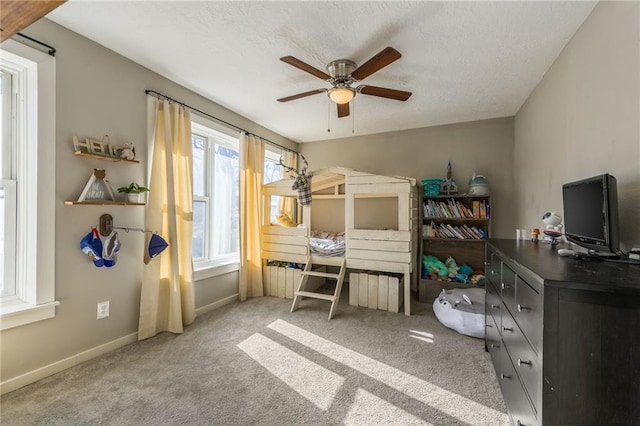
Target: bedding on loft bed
{"type": "Point", "coordinates": [321, 243]}
{"type": "Point", "coordinates": [327, 243]}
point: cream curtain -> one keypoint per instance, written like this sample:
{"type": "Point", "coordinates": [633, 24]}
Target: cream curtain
{"type": "Point", "coordinates": [251, 169]}
{"type": "Point", "coordinates": [167, 301]}
{"type": "Point", "coordinates": [288, 204]}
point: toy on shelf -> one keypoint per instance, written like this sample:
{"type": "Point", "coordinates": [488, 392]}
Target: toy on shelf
{"type": "Point", "coordinates": [535, 233]}
{"type": "Point", "coordinates": [448, 186]}
{"type": "Point", "coordinates": [553, 230]}
{"type": "Point", "coordinates": [127, 151]}
{"type": "Point", "coordinates": [433, 264]}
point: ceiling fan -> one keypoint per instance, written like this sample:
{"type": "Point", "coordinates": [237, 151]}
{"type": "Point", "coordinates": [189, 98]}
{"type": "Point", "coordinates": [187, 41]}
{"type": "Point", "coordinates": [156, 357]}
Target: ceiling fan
{"type": "Point", "coordinates": [342, 73]}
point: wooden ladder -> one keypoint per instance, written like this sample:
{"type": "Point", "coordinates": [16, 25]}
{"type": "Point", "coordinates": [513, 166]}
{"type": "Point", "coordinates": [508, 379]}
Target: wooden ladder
{"type": "Point", "coordinates": [308, 272]}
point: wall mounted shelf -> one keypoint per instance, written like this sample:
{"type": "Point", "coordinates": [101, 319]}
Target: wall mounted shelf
{"type": "Point", "coordinates": [103, 157]}
{"type": "Point", "coordinates": [102, 203]}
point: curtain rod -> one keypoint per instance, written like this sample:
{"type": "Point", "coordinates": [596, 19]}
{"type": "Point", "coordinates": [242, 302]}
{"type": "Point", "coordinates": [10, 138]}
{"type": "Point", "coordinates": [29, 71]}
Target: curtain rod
{"type": "Point", "coordinates": [50, 49]}
{"type": "Point", "coordinates": [160, 95]}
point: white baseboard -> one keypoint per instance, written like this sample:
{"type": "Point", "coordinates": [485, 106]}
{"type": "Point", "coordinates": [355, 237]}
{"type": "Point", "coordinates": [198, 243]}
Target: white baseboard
{"type": "Point", "coordinates": [215, 305]}
{"type": "Point", "coordinates": [58, 366]}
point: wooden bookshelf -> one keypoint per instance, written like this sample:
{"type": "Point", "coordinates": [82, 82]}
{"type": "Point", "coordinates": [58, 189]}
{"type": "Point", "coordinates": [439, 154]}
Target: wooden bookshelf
{"type": "Point", "coordinates": [470, 251]}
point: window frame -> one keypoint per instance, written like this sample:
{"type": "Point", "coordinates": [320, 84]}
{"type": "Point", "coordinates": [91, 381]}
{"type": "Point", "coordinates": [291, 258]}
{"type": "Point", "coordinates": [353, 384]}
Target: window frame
{"type": "Point", "coordinates": [34, 147]}
{"type": "Point", "coordinates": [213, 266]}
{"type": "Point", "coordinates": [8, 293]}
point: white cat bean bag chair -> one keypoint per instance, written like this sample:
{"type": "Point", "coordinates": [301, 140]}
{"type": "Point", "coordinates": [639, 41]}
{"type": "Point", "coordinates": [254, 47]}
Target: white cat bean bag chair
{"type": "Point", "coordinates": [462, 310]}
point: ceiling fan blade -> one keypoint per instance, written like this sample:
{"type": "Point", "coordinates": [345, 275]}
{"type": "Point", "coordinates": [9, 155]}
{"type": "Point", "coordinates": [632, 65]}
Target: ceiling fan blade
{"type": "Point", "coordinates": [383, 92]}
{"type": "Point", "coordinates": [305, 67]}
{"type": "Point", "coordinates": [381, 60]}
{"type": "Point", "coordinates": [301, 95]}
{"type": "Point", "coordinates": [343, 110]}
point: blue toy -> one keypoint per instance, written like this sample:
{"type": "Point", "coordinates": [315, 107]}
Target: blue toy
{"type": "Point", "coordinates": [464, 274]}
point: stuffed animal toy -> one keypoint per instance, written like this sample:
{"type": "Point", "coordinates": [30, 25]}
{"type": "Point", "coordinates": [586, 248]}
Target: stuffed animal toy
{"type": "Point", "coordinates": [452, 266]}
{"type": "Point", "coordinates": [432, 263]}
{"type": "Point", "coordinates": [128, 151]}
{"type": "Point", "coordinates": [283, 219]}
{"type": "Point", "coordinates": [464, 274]}
{"type": "Point", "coordinates": [462, 310]}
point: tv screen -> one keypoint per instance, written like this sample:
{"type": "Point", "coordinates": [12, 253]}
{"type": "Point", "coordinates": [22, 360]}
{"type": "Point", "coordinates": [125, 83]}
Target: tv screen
{"type": "Point", "coordinates": [591, 213]}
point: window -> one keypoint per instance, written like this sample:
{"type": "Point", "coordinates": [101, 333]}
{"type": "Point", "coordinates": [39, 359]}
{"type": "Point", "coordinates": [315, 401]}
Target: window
{"type": "Point", "coordinates": [272, 173]}
{"type": "Point", "coordinates": [216, 196]}
{"type": "Point", "coordinates": [216, 200]}
{"type": "Point", "coordinates": [27, 185]}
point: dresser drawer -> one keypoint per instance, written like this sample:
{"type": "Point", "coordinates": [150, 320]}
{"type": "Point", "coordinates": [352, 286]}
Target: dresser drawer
{"type": "Point", "coordinates": [507, 326]}
{"type": "Point", "coordinates": [508, 287]}
{"type": "Point", "coordinates": [512, 391]}
{"type": "Point", "coordinates": [528, 313]}
{"type": "Point", "coordinates": [491, 335]}
{"type": "Point", "coordinates": [493, 305]}
{"type": "Point", "coordinates": [528, 367]}
{"type": "Point", "coordinates": [493, 269]}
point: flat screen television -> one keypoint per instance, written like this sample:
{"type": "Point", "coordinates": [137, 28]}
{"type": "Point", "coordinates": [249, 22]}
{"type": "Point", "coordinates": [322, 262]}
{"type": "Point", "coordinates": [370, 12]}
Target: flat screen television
{"type": "Point", "coordinates": [591, 214]}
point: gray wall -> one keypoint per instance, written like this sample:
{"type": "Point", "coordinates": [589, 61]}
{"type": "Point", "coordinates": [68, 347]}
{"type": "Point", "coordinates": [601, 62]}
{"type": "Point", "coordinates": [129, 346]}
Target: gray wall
{"type": "Point", "coordinates": [485, 147]}
{"type": "Point", "coordinates": [99, 92]}
{"type": "Point", "coordinates": [583, 119]}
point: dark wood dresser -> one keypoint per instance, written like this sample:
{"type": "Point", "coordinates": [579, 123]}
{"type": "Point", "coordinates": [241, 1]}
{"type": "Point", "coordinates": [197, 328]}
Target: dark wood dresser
{"type": "Point", "coordinates": [564, 335]}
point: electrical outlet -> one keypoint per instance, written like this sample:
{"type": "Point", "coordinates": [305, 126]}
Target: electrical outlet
{"type": "Point", "coordinates": [103, 309]}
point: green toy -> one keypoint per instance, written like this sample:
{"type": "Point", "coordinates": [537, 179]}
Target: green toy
{"type": "Point", "coordinates": [452, 266]}
{"type": "Point", "coordinates": [432, 263]}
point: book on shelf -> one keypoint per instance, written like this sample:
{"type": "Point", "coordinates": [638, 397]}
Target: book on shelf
{"type": "Point", "coordinates": [480, 231]}
{"type": "Point", "coordinates": [476, 209]}
{"type": "Point", "coordinates": [452, 209]}
{"type": "Point", "coordinates": [454, 231]}
{"type": "Point", "coordinates": [429, 230]}
{"type": "Point", "coordinates": [461, 232]}
{"type": "Point", "coordinates": [470, 231]}
{"type": "Point", "coordinates": [464, 211]}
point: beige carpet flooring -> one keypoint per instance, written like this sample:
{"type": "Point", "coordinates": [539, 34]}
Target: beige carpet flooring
{"type": "Point", "coordinates": [255, 363]}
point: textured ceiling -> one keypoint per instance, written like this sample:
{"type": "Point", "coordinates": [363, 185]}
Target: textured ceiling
{"type": "Point", "coordinates": [463, 61]}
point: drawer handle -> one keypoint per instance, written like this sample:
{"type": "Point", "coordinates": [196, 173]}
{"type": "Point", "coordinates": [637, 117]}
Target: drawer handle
{"type": "Point", "coordinates": [496, 306]}
{"type": "Point", "coordinates": [504, 286]}
{"type": "Point", "coordinates": [494, 346]}
{"type": "Point", "coordinates": [520, 362]}
{"type": "Point", "coordinates": [507, 329]}
{"type": "Point", "coordinates": [519, 423]}
{"type": "Point", "coordinates": [523, 308]}
{"type": "Point", "coordinates": [488, 326]}
{"type": "Point", "coordinates": [504, 376]}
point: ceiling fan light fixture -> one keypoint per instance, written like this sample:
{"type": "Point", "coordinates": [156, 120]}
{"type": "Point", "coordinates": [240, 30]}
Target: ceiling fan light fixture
{"type": "Point", "coordinates": [341, 94]}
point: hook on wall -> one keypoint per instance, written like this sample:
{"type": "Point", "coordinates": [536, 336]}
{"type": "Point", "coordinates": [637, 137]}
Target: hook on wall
{"type": "Point", "coordinates": [157, 244]}
{"type": "Point", "coordinates": [106, 226]}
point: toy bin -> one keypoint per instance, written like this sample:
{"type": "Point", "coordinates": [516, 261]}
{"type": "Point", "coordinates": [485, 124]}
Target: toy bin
{"type": "Point", "coordinates": [431, 187]}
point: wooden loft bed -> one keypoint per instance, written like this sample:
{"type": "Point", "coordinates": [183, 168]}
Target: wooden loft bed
{"type": "Point", "coordinates": [370, 245]}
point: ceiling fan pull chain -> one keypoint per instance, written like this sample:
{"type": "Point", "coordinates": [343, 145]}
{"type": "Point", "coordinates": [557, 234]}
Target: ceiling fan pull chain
{"type": "Point", "coordinates": [353, 116]}
{"type": "Point", "coordinates": [328, 115]}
